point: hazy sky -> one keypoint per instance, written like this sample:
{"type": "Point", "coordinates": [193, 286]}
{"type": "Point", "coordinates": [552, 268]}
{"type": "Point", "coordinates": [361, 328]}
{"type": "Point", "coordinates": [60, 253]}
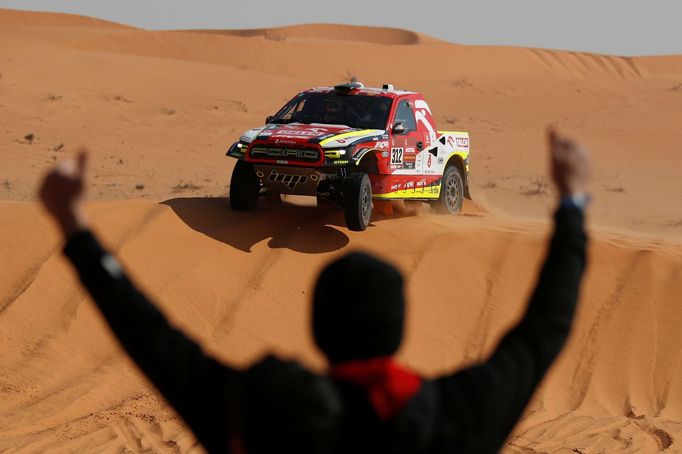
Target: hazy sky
{"type": "Point", "coordinates": [624, 27]}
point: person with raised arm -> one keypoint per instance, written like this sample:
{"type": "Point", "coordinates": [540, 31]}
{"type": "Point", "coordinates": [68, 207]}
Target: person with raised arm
{"type": "Point", "coordinates": [366, 402]}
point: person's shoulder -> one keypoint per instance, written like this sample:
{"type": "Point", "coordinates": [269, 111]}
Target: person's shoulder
{"type": "Point", "coordinates": [295, 406]}
{"type": "Point", "coordinates": [289, 380]}
{"type": "Point", "coordinates": [271, 364]}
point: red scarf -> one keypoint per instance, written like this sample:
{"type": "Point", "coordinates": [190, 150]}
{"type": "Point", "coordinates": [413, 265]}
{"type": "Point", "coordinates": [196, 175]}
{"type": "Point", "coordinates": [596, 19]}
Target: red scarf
{"type": "Point", "coordinates": [388, 385]}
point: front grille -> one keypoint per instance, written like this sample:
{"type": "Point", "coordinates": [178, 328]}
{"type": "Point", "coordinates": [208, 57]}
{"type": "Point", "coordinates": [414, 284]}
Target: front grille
{"type": "Point", "coordinates": [297, 154]}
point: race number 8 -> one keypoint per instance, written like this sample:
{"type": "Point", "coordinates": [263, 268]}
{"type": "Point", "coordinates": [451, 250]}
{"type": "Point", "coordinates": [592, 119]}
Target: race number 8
{"type": "Point", "coordinates": [396, 156]}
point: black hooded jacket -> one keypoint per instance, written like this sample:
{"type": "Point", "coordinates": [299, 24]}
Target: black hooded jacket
{"type": "Point", "coordinates": [279, 406]}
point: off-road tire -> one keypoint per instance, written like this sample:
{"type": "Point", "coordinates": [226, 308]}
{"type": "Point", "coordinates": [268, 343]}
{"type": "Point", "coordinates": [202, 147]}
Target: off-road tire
{"type": "Point", "coordinates": [357, 201]}
{"type": "Point", "coordinates": [451, 192]}
{"type": "Point", "coordinates": [244, 187]}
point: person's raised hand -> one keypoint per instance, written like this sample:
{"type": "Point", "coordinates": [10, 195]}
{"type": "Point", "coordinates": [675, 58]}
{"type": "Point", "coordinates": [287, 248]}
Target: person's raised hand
{"type": "Point", "coordinates": [569, 165]}
{"type": "Point", "coordinates": [62, 193]}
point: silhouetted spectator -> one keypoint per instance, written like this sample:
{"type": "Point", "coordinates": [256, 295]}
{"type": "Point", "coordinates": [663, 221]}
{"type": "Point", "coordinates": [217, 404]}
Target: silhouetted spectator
{"type": "Point", "coordinates": [367, 402]}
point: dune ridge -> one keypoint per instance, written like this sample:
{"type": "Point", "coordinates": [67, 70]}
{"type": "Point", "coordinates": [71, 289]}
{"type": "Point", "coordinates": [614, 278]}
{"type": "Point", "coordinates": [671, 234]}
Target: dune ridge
{"type": "Point", "coordinates": [330, 32]}
{"type": "Point", "coordinates": [158, 110]}
{"type": "Point", "coordinates": [12, 17]}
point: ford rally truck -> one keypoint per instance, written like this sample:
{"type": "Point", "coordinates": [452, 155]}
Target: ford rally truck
{"type": "Point", "coordinates": [350, 144]}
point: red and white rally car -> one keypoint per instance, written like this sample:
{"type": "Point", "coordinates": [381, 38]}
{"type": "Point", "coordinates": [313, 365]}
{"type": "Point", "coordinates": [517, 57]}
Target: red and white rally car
{"type": "Point", "coordinates": [351, 144]}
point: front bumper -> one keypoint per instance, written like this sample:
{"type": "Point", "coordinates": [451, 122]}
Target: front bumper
{"type": "Point", "coordinates": [311, 181]}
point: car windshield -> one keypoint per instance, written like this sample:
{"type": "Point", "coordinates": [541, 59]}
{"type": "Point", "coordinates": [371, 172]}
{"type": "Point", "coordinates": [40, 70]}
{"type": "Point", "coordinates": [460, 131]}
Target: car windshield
{"type": "Point", "coordinates": [356, 111]}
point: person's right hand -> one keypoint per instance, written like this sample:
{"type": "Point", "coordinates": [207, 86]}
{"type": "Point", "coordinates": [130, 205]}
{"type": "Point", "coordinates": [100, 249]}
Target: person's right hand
{"type": "Point", "coordinates": [569, 165]}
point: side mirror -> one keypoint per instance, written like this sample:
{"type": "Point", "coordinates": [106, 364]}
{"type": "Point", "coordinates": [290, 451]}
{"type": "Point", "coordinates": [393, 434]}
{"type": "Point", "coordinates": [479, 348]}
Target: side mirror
{"type": "Point", "coordinates": [268, 119]}
{"type": "Point", "coordinates": [398, 128]}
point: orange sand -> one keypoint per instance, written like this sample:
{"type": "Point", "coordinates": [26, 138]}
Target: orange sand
{"type": "Point", "coordinates": [160, 108]}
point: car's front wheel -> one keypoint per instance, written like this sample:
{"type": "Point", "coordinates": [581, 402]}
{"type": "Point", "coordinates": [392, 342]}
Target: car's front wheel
{"type": "Point", "coordinates": [244, 187]}
{"type": "Point", "coordinates": [357, 201]}
{"type": "Point", "coordinates": [451, 192]}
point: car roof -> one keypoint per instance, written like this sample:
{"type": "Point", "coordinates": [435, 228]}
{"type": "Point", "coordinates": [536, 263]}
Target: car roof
{"type": "Point", "coordinates": [367, 91]}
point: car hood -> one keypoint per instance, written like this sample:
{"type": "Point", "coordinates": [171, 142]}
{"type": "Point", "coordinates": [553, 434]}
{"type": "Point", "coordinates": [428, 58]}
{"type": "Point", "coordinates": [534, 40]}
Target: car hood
{"type": "Point", "coordinates": [328, 136]}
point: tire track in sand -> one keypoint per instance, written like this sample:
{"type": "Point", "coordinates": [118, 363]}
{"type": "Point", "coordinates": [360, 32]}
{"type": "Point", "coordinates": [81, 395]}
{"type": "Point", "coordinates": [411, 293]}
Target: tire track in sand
{"type": "Point", "coordinates": [253, 283]}
{"type": "Point", "coordinates": [65, 314]}
{"type": "Point", "coordinates": [474, 345]}
{"type": "Point", "coordinates": [26, 282]}
{"type": "Point", "coordinates": [588, 352]}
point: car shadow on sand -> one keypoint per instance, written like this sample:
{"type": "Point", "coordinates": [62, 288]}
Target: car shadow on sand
{"type": "Point", "coordinates": [306, 229]}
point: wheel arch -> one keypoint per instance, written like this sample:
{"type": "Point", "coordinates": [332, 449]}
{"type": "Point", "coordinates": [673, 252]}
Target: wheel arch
{"type": "Point", "coordinates": [366, 161]}
{"type": "Point", "coordinates": [457, 161]}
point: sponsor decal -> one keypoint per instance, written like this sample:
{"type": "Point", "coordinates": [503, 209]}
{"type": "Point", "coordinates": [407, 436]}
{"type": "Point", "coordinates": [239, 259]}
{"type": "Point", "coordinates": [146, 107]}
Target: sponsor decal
{"type": "Point", "coordinates": [287, 142]}
{"type": "Point", "coordinates": [395, 187]}
{"type": "Point", "coordinates": [409, 184]}
{"type": "Point", "coordinates": [318, 131]}
{"type": "Point", "coordinates": [294, 133]}
{"type": "Point", "coordinates": [441, 160]}
{"type": "Point", "coordinates": [408, 165]}
{"type": "Point", "coordinates": [421, 183]}
{"type": "Point", "coordinates": [409, 150]}
{"type": "Point", "coordinates": [381, 145]}
{"type": "Point", "coordinates": [396, 156]}
{"type": "Point", "coordinates": [338, 163]}
{"type": "Point", "coordinates": [359, 154]}
{"type": "Point", "coordinates": [451, 141]}
{"type": "Point", "coordinates": [384, 154]}
{"type": "Point", "coordinates": [266, 133]}
{"type": "Point", "coordinates": [289, 180]}
{"type": "Point", "coordinates": [463, 142]}
{"type": "Point", "coordinates": [428, 162]}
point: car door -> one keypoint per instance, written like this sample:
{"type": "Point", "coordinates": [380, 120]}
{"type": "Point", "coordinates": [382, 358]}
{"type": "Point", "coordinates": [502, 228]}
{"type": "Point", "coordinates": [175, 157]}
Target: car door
{"type": "Point", "coordinates": [406, 145]}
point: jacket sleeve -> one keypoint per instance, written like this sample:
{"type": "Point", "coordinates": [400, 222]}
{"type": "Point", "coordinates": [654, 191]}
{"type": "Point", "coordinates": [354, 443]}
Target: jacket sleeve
{"type": "Point", "coordinates": [485, 401]}
{"type": "Point", "coordinates": [201, 390]}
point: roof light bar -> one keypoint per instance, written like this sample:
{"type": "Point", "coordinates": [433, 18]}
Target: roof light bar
{"type": "Point", "coordinates": [349, 86]}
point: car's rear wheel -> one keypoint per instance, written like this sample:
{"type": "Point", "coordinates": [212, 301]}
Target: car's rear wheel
{"type": "Point", "coordinates": [357, 201]}
{"type": "Point", "coordinates": [244, 187]}
{"type": "Point", "coordinates": [451, 192]}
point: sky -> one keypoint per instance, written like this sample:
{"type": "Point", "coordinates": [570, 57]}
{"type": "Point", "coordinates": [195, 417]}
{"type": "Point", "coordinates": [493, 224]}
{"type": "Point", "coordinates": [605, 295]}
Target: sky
{"type": "Point", "coordinates": [618, 27]}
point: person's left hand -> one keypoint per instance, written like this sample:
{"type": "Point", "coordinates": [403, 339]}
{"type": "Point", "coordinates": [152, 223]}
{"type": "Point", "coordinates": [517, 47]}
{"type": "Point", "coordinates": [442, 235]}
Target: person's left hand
{"type": "Point", "coordinates": [62, 193]}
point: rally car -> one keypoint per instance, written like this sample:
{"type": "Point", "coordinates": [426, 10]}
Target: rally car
{"type": "Point", "coordinates": [351, 144]}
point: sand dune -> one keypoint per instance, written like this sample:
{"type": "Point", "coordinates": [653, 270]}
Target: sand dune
{"type": "Point", "coordinates": [158, 110]}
